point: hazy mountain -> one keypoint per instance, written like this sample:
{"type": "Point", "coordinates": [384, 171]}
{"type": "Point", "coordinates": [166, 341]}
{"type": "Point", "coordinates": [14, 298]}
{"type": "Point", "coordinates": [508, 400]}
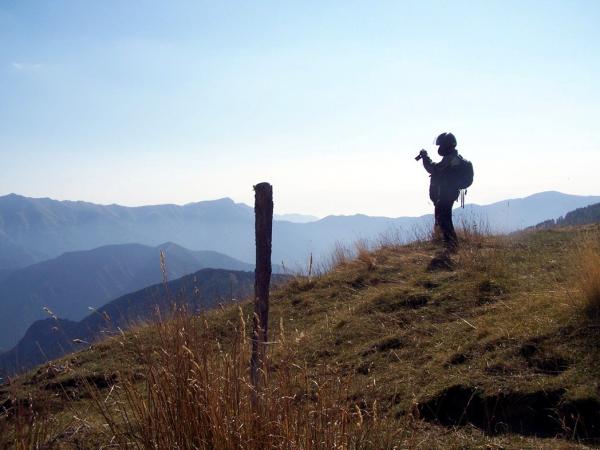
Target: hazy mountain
{"type": "Point", "coordinates": [74, 281]}
{"type": "Point", "coordinates": [580, 216]}
{"type": "Point", "coordinates": [500, 217]}
{"type": "Point", "coordinates": [52, 227]}
{"type": "Point", "coordinates": [515, 214]}
{"type": "Point", "coordinates": [5, 273]}
{"type": "Point", "coordinates": [49, 227]}
{"type": "Point", "coordinates": [51, 338]}
{"type": "Point", "coordinates": [296, 218]}
{"type": "Point", "coordinates": [13, 256]}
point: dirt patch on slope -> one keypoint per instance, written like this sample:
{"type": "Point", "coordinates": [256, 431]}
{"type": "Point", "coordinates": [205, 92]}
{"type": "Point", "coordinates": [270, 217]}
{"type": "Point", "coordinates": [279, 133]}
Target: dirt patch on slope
{"type": "Point", "coordinates": [79, 386]}
{"type": "Point", "coordinates": [541, 414]}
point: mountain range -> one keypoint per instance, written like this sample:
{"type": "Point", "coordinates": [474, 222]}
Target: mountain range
{"type": "Point", "coordinates": [53, 337]}
{"type": "Point", "coordinates": [34, 229]}
{"type": "Point", "coordinates": [79, 255]}
{"type": "Point", "coordinates": [74, 282]}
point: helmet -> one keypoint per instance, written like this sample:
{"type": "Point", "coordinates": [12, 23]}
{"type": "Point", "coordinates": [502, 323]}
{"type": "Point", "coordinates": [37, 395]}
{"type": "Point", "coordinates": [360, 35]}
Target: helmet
{"type": "Point", "coordinates": [446, 140]}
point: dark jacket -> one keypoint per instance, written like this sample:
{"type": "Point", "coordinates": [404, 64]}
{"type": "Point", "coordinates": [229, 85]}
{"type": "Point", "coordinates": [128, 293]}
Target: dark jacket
{"type": "Point", "coordinates": [443, 184]}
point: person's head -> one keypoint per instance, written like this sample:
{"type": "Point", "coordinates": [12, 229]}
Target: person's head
{"type": "Point", "coordinates": [446, 143]}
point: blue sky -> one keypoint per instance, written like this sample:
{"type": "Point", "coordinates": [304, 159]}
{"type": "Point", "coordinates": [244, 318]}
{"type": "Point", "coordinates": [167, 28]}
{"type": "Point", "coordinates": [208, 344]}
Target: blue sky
{"type": "Point", "coordinates": [145, 102]}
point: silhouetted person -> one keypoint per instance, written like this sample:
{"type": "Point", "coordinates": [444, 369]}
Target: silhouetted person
{"type": "Point", "coordinates": [445, 186]}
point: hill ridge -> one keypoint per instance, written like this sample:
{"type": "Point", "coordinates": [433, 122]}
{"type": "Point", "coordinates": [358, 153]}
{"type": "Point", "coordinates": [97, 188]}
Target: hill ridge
{"type": "Point", "coordinates": [51, 338]}
{"type": "Point", "coordinates": [30, 230]}
{"type": "Point", "coordinates": [500, 343]}
{"type": "Point", "coordinates": [74, 281]}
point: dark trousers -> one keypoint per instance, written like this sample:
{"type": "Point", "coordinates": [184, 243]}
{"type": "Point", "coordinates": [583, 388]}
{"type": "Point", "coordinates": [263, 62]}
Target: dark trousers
{"type": "Point", "coordinates": [444, 225]}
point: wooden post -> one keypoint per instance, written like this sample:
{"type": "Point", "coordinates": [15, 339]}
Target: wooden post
{"type": "Point", "coordinates": [263, 213]}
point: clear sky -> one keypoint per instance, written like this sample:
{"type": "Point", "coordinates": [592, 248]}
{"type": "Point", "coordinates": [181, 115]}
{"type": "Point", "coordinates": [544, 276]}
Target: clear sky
{"type": "Point", "coordinates": [145, 102]}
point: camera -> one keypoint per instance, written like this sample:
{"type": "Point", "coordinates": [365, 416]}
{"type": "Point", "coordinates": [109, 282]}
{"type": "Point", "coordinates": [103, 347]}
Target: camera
{"type": "Point", "coordinates": [421, 154]}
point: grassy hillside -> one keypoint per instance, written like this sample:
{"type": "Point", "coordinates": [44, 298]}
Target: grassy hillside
{"type": "Point", "coordinates": [380, 352]}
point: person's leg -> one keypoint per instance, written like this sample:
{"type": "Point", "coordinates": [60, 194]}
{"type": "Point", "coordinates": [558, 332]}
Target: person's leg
{"type": "Point", "coordinates": [437, 226]}
{"type": "Point", "coordinates": [446, 225]}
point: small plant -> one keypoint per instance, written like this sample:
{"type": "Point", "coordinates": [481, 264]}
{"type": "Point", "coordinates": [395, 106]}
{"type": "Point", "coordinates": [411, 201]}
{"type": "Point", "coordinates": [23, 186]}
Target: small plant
{"type": "Point", "coordinates": [473, 230]}
{"type": "Point", "coordinates": [340, 256]}
{"type": "Point", "coordinates": [587, 271]}
{"type": "Point", "coordinates": [364, 253]}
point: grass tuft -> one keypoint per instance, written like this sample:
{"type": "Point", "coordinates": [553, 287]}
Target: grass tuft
{"type": "Point", "coordinates": [587, 273]}
{"type": "Point", "coordinates": [197, 393]}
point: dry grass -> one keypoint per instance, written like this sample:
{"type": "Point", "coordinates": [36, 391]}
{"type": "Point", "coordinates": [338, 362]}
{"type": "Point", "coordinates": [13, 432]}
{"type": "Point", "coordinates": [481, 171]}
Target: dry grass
{"type": "Point", "coordinates": [473, 231]}
{"type": "Point", "coordinates": [340, 256]}
{"type": "Point", "coordinates": [27, 425]}
{"type": "Point", "coordinates": [196, 394]}
{"type": "Point", "coordinates": [364, 253]}
{"type": "Point", "coordinates": [587, 271]}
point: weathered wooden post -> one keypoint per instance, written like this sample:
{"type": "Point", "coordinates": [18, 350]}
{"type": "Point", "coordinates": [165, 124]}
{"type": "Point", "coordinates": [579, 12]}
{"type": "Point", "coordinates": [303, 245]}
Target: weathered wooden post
{"type": "Point", "coordinates": [263, 213]}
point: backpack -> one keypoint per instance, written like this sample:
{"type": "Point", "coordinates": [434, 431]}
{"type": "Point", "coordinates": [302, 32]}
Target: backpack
{"type": "Point", "coordinates": [463, 177]}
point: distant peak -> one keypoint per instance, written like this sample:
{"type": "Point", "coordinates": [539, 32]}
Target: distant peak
{"type": "Point", "coordinates": [545, 194]}
{"type": "Point", "coordinates": [223, 201]}
{"type": "Point", "coordinates": [169, 244]}
{"type": "Point", "coordinates": [12, 195]}
{"type": "Point", "coordinates": [553, 195]}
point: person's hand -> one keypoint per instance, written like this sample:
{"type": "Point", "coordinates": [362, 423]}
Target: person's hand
{"type": "Point", "coordinates": [423, 153]}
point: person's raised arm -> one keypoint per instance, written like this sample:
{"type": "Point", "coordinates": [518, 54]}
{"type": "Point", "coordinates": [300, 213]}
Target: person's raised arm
{"type": "Point", "coordinates": [428, 163]}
